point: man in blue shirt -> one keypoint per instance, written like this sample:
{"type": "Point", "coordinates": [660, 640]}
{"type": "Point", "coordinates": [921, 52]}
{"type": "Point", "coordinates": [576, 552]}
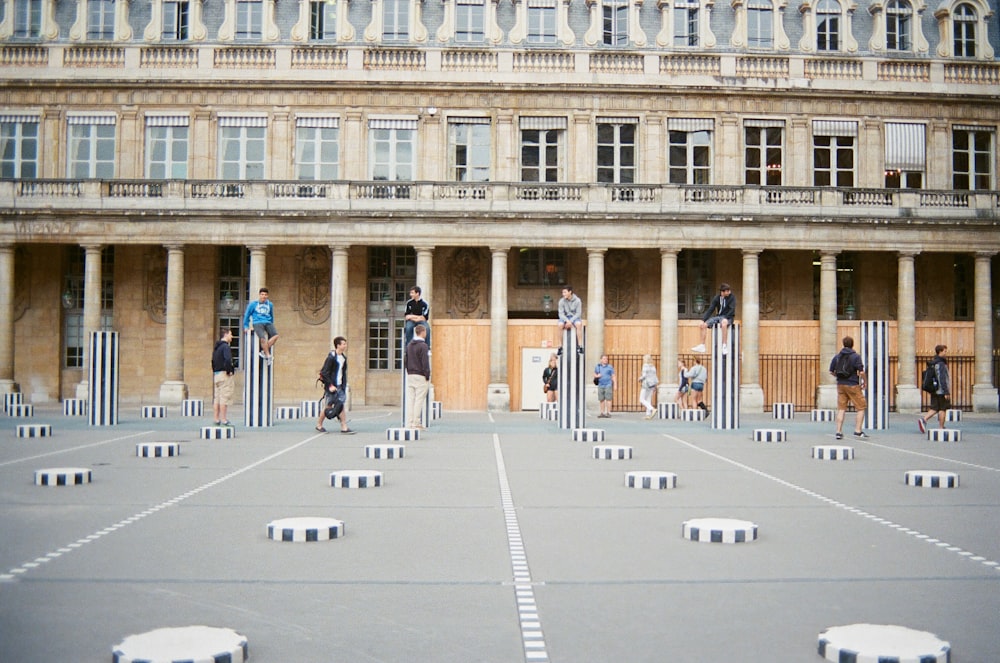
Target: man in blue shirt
{"type": "Point", "coordinates": [607, 382]}
{"type": "Point", "coordinates": [259, 318]}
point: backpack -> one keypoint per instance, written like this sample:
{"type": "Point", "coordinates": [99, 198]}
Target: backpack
{"type": "Point", "coordinates": [842, 368]}
{"type": "Point", "coordinates": [929, 381]}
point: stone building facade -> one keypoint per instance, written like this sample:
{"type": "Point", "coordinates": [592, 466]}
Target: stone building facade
{"type": "Point", "coordinates": [161, 160]}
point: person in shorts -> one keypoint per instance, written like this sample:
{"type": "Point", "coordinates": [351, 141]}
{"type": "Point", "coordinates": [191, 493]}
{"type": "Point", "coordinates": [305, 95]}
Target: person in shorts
{"type": "Point", "coordinates": [721, 312]}
{"type": "Point", "coordinates": [604, 375]}
{"type": "Point", "coordinates": [259, 318]}
{"type": "Point", "coordinates": [697, 375]}
{"type": "Point", "coordinates": [849, 370]}
{"type": "Point", "coordinates": [223, 377]}
{"type": "Point", "coordinates": [941, 398]}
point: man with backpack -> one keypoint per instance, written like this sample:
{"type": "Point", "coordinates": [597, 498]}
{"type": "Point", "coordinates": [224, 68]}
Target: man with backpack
{"type": "Point", "coordinates": [936, 382]}
{"type": "Point", "coordinates": [333, 375]}
{"type": "Point", "coordinates": [849, 370]}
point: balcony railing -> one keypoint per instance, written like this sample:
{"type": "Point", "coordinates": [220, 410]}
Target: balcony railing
{"type": "Point", "coordinates": [714, 201]}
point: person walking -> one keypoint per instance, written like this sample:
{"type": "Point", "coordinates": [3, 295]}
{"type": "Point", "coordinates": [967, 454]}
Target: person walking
{"type": "Point", "coordinates": [418, 375]}
{"type": "Point", "coordinates": [223, 377]}
{"type": "Point", "coordinates": [683, 387]}
{"type": "Point", "coordinates": [259, 318]}
{"type": "Point", "coordinates": [721, 311]}
{"type": "Point", "coordinates": [550, 379]}
{"type": "Point", "coordinates": [941, 396]}
{"type": "Point", "coordinates": [607, 381]}
{"type": "Point", "coordinates": [571, 315]}
{"type": "Point", "coordinates": [697, 375]}
{"type": "Point", "coordinates": [333, 376]}
{"type": "Point", "coordinates": [849, 370]}
{"type": "Point", "coordinates": [648, 382]}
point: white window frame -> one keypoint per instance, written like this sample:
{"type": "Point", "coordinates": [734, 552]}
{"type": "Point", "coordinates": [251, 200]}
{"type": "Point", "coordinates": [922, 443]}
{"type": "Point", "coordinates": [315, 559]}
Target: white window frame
{"type": "Point", "coordinates": [448, 31]}
{"type": "Point", "coordinates": [564, 35]}
{"type": "Point", "coordinates": [616, 168]}
{"type": "Point", "coordinates": [740, 36]}
{"type": "Point", "coordinates": [314, 136]}
{"type": "Point", "coordinates": [89, 139]}
{"type": "Point", "coordinates": [478, 161]}
{"type": "Point", "coordinates": [986, 180]}
{"type": "Point", "coordinates": [842, 135]}
{"type": "Point", "coordinates": [547, 132]}
{"type": "Point", "coordinates": [765, 169]}
{"type": "Point", "coordinates": [946, 26]}
{"type": "Point", "coordinates": [634, 36]}
{"type": "Point", "coordinates": [699, 136]}
{"type": "Point", "coordinates": [153, 32]}
{"type": "Point", "coordinates": [302, 30]}
{"type": "Point", "coordinates": [268, 28]}
{"type": "Point", "coordinates": [12, 133]}
{"type": "Point", "coordinates": [879, 42]}
{"type": "Point", "coordinates": [845, 33]}
{"type": "Point", "coordinates": [397, 135]}
{"type": "Point", "coordinates": [243, 132]}
{"type": "Point", "coordinates": [416, 31]}
{"type": "Point", "coordinates": [80, 30]}
{"type": "Point", "coordinates": [18, 21]}
{"type": "Point", "coordinates": [905, 155]}
{"type": "Point", "coordinates": [170, 131]}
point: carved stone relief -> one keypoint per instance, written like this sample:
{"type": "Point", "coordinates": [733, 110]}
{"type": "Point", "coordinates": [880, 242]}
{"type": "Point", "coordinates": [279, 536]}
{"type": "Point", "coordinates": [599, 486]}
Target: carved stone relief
{"type": "Point", "coordinates": [22, 282]}
{"type": "Point", "coordinates": [771, 306]}
{"type": "Point", "coordinates": [313, 292]}
{"type": "Point", "coordinates": [155, 284]}
{"type": "Point", "coordinates": [465, 283]}
{"type": "Point", "coordinates": [621, 287]}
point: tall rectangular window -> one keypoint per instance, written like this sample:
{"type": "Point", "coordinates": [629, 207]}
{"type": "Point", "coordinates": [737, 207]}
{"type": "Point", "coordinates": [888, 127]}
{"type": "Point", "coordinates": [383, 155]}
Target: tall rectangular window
{"type": "Point", "coordinates": [686, 23]}
{"type": "Point", "coordinates": [392, 149]}
{"type": "Point", "coordinates": [964, 22]}
{"type": "Point", "coordinates": [322, 20]}
{"type": "Point", "coordinates": [972, 152]}
{"type": "Point", "coordinates": [317, 148]}
{"type": "Point", "coordinates": [615, 22]}
{"type": "Point", "coordinates": [541, 146]}
{"type": "Point", "coordinates": [91, 147]}
{"type": "Point", "coordinates": [897, 25]}
{"type": "Point", "coordinates": [616, 150]}
{"type": "Point", "coordinates": [690, 151]}
{"type": "Point", "coordinates": [470, 139]}
{"type": "Point", "coordinates": [764, 152]}
{"type": "Point", "coordinates": [249, 20]}
{"type": "Point", "coordinates": [392, 271]}
{"type": "Point", "coordinates": [470, 21]}
{"type": "Point", "coordinates": [242, 148]}
{"type": "Point", "coordinates": [176, 17]}
{"type": "Point", "coordinates": [18, 146]}
{"type": "Point", "coordinates": [101, 20]}
{"type": "Point", "coordinates": [545, 267]}
{"type": "Point", "coordinates": [834, 147]}
{"type": "Point", "coordinates": [695, 283]}
{"type": "Point", "coordinates": [27, 19]}
{"type": "Point", "coordinates": [233, 295]}
{"type": "Point", "coordinates": [905, 149]}
{"type": "Point", "coordinates": [73, 338]}
{"type": "Point", "coordinates": [760, 24]}
{"type": "Point", "coordinates": [396, 20]}
{"type": "Point", "coordinates": [541, 21]}
{"type": "Point", "coordinates": [827, 25]}
{"type": "Point", "coordinates": [166, 147]}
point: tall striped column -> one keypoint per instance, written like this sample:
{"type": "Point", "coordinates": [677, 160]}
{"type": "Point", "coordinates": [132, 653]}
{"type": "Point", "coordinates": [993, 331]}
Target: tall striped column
{"type": "Point", "coordinates": [726, 379]}
{"type": "Point", "coordinates": [425, 418]}
{"type": "Point", "coordinates": [875, 355]}
{"type": "Point", "coordinates": [102, 385]}
{"type": "Point", "coordinates": [573, 377]}
{"type": "Point", "coordinates": [258, 385]}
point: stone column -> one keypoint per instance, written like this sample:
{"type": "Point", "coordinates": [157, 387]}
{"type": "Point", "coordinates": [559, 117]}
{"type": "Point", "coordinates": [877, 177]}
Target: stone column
{"type": "Point", "coordinates": [338, 291]}
{"type": "Point", "coordinates": [6, 319]}
{"type": "Point", "coordinates": [352, 142]}
{"type": "Point", "coordinates": [751, 393]}
{"type": "Point", "coordinates": [593, 313]}
{"type": "Point", "coordinates": [91, 309]}
{"type": "Point", "coordinates": [425, 273]}
{"type": "Point", "coordinates": [173, 390]}
{"type": "Point", "coordinates": [668, 326]}
{"type": "Point", "coordinates": [826, 392]}
{"type": "Point", "coordinates": [258, 270]}
{"type": "Point", "coordinates": [907, 392]}
{"type": "Point", "coordinates": [984, 392]}
{"type": "Point", "coordinates": [498, 391]}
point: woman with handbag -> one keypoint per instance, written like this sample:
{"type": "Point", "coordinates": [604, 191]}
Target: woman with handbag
{"type": "Point", "coordinates": [648, 380]}
{"type": "Point", "coordinates": [550, 379]}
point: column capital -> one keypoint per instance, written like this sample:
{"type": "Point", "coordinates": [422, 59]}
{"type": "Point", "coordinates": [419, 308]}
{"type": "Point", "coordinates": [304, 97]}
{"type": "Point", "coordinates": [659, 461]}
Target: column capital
{"type": "Point", "coordinates": [596, 251]}
{"type": "Point", "coordinates": [499, 249]}
{"type": "Point", "coordinates": [909, 253]}
{"type": "Point", "coordinates": [174, 247]}
{"type": "Point", "coordinates": [92, 247]}
{"type": "Point", "coordinates": [827, 253]}
{"type": "Point", "coordinates": [752, 252]}
{"type": "Point", "coordinates": [335, 248]}
{"type": "Point", "coordinates": [664, 251]}
{"type": "Point", "coordinates": [419, 249]}
{"type": "Point", "coordinates": [257, 247]}
{"type": "Point", "coordinates": [985, 255]}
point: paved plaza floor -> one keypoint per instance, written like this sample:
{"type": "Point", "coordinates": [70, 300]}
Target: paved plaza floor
{"type": "Point", "coordinates": [431, 566]}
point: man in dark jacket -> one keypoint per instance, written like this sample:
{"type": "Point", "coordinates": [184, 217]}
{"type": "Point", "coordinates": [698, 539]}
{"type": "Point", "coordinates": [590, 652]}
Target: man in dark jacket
{"type": "Point", "coordinates": [333, 375]}
{"type": "Point", "coordinates": [222, 377]}
{"type": "Point", "coordinates": [721, 312]}
{"type": "Point", "coordinates": [940, 399]}
{"type": "Point", "coordinates": [849, 370]}
{"type": "Point", "coordinates": [418, 375]}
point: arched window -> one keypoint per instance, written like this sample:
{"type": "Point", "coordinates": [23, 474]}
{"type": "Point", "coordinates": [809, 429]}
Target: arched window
{"type": "Point", "coordinates": [827, 25]}
{"type": "Point", "coordinates": [759, 25]}
{"type": "Point", "coordinates": [897, 25]}
{"type": "Point", "coordinates": [964, 29]}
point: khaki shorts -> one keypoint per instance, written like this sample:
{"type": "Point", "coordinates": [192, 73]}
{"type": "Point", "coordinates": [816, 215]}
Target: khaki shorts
{"type": "Point", "coordinates": [853, 394]}
{"type": "Point", "coordinates": [225, 385]}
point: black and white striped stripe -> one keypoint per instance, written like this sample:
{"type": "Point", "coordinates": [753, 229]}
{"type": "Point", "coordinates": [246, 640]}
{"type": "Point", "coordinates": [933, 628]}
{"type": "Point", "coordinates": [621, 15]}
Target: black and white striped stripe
{"type": "Point", "coordinates": [875, 355]}
{"type": "Point", "coordinates": [573, 378]}
{"type": "Point", "coordinates": [16, 398]}
{"type": "Point", "coordinates": [192, 407]}
{"type": "Point", "coordinates": [258, 385]}
{"type": "Point", "coordinates": [726, 379]}
{"type": "Point", "coordinates": [34, 430]}
{"type": "Point", "coordinates": [103, 378]}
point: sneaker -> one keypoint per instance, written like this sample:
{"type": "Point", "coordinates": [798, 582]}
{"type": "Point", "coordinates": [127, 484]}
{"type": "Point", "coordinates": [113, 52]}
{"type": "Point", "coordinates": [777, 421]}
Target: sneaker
{"type": "Point", "coordinates": [226, 423]}
{"type": "Point", "coordinates": [215, 423]}
{"type": "Point", "coordinates": [838, 436]}
{"type": "Point", "coordinates": [579, 349]}
{"type": "Point", "coordinates": [921, 425]}
{"type": "Point", "coordinates": [559, 352]}
{"type": "Point", "coordinates": [861, 435]}
{"type": "Point", "coordinates": [725, 349]}
{"type": "Point", "coordinates": [347, 431]}
{"type": "Point", "coordinates": [320, 429]}
{"type": "Point", "coordinates": [649, 416]}
{"type": "Point", "coordinates": [699, 348]}
{"type": "Point", "coordinates": [270, 359]}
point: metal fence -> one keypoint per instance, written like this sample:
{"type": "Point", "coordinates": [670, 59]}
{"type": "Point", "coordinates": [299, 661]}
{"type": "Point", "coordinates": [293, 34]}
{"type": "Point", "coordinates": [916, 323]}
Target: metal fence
{"type": "Point", "coordinates": [793, 379]}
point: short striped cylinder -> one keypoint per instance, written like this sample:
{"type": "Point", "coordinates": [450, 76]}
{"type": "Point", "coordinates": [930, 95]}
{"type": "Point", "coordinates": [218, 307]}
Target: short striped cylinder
{"type": "Point", "coordinates": [651, 480]}
{"type": "Point", "coordinates": [693, 414]}
{"type": "Point", "coordinates": [199, 643]}
{"type": "Point", "coordinates": [588, 434]}
{"type": "Point", "coordinates": [384, 451]}
{"type": "Point", "coordinates": [944, 435]}
{"type": "Point", "coordinates": [309, 409]}
{"type": "Point", "coordinates": [545, 408]}
{"type": "Point", "coordinates": [34, 430]}
{"type": "Point", "coordinates": [554, 413]}
{"type": "Point", "coordinates": [832, 452]}
{"type": "Point", "coordinates": [218, 432]}
{"type": "Point", "coordinates": [931, 479]}
{"type": "Point", "coordinates": [953, 415]}
{"type": "Point", "coordinates": [612, 452]}
{"type": "Point", "coordinates": [783, 410]}
{"type": "Point", "coordinates": [822, 415]}
{"type": "Point", "coordinates": [157, 449]}
{"type": "Point", "coordinates": [402, 434]}
{"type": "Point", "coordinates": [75, 407]}
{"type": "Point", "coordinates": [21, 410]}
{"type": "Point", "coordinates": [301, 530]}
{"type": "Point", "coordinates": [192, 407]}
{"type": "Point", "coordinates": [12, 399]}
{"type": "Point", "coordinates": [356, 479]}
{"type": "Point", "coordinates": [769, 435]}
{"type": "Point", "coordinates": [62, 476]}
{"type": "Point", "coordinates": [885, 643]}
{"type": "Point", "coordinates": [436, 409]}
{"type": "Point", "coordinates": [288, 412]}
{"type": "Point", "coordinates": [154, 411]}
{"type": "Point", "coordinates": [719, 530]}
{"type": "Point", "coordinates": [668, 411]}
